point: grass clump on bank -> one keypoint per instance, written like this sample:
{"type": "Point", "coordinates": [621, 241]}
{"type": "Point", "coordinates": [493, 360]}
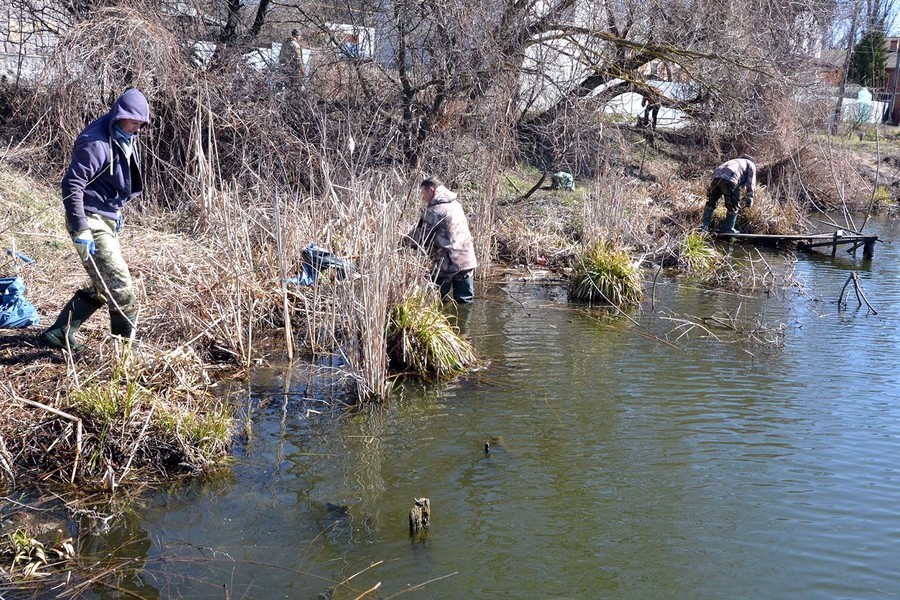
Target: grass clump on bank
{"type": "Point", "coordinates": [421, 340]}
{"type": "Point", "coordinates": [151, 419]}
{"type": "Point", "coordinates": [115, 421]}
{"type": "Point", "coordinates": [697, 256]}
{"type": "Point", "coordinates": [606, 274]}
{"type": "Point", "coordinates": [202, 432]}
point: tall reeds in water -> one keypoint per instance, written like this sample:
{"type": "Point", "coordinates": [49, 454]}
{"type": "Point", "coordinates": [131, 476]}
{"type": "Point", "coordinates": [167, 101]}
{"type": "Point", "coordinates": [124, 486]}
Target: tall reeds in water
{"type": "Point", "coordinates": [348, 314]}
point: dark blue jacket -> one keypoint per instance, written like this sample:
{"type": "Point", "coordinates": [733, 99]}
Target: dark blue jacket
{"type": "Point", "coordinates": [100, 179]}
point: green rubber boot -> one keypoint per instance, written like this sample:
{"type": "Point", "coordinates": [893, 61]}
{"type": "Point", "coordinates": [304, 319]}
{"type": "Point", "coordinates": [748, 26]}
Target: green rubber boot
{"type": "Point", "coordinates": [76, 311]}
{"type": "Point", "coordinates": [121, 324]}
{"type": "Point", "coordinates": [707, 217]}
{"type": "Point", "coordinates": [729, 224]}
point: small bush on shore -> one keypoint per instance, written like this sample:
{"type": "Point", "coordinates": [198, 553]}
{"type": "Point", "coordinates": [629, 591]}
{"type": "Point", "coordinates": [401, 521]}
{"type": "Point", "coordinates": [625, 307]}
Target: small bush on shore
{"type": "Point", "coordinates": [421, 340]}
{"type": "Point", "coordinates": [606, 274]}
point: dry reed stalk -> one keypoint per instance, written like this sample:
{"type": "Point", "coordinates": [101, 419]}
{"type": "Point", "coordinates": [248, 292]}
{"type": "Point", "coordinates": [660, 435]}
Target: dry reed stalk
{"type": "Point", "coordinates": [288, 330]}
{"type": "Point", "coordinates": [6, 463]}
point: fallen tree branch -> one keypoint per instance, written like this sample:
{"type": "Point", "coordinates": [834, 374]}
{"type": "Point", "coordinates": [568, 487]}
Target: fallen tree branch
{"type": "Point", "coordinates": [860, 294]}
{"type": "Point", "coordinates": [536, 187]}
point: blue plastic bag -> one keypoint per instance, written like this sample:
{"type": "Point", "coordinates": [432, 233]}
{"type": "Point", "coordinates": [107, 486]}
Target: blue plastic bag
{"type": "Point", "coordinates": [315, 260]}
{"type": "Point", "coordinates": [15, 310]}
{"type": "Point", "coordinates": [307, 276]}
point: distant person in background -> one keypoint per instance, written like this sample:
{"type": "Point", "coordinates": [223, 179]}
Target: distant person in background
{"type": "Point", "coordinates": [651, 111]}
{"type": "Point", "coordinates": [105, 173]}
{"type": "Point", "coordinates": [350, 46]}
{"type": "Point", "coordinates": [443, 232]}
{"type": "Point", "coordinates": [291, 56]}
{"type": "Point", "coordinates": [863, 106]}
{"type": "Point", "coordinates": [727, 181]}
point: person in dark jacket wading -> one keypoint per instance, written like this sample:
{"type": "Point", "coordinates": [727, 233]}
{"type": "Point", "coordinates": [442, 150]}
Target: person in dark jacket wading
{"type": "Point", "coordinates": [727, 181]}
{"type": "Point", "coordinates": [105, 173]}
{"type": "Point", "coordinates": [443, 232]}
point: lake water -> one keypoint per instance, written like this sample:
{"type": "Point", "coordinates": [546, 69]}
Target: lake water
{"type": "Point", "coordinates": [626, 467]}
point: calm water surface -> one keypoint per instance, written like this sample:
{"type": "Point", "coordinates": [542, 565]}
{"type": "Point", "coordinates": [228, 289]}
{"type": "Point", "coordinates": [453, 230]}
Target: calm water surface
{"type": "Point", "coordinates": [625, 467]}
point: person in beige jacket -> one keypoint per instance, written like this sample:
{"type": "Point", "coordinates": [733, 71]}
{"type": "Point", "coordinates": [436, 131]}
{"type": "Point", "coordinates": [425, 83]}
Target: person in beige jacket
{"type": "Point", "coordinates": [443, 232]}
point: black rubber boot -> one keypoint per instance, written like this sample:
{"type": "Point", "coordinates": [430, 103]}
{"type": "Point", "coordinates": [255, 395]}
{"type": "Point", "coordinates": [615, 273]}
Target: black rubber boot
{"type": "Point", "coordinates": [121, 324]}
{"type": "Point", "coordinates": [729, 224]}
{"type": "Point", "coordinates": [707, 217]}
{"type": "Point", "coordinates": [78, 310]}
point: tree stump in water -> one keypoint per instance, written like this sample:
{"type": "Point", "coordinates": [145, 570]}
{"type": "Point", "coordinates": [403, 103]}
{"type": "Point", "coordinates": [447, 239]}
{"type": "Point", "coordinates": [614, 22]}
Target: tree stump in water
{"type": "Point", "coordinates": [420, 518]}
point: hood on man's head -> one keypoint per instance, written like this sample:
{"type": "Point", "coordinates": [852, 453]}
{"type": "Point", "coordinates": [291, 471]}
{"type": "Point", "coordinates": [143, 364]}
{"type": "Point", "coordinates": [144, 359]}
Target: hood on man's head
{"type": "Point", "coordinates": [130, 105]}
{"type": "Point", "coordinates": [442, 194]}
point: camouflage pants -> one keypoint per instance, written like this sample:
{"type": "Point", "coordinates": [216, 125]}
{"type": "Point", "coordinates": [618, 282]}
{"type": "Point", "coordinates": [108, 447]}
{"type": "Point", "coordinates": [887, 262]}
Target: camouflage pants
{"type": "Point", "coordinates": [110, 277]}
{"type": "Point", "coordinates": [461, 285]}
{"type": "Point", "coordinates": [719, 188]}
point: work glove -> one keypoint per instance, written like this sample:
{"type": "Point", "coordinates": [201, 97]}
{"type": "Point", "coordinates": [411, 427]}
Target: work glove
{"type": "Point", "coordinates": [120, 222]}
{"type": "Point", "coordinates": [84, 243]}
{"type": "Point", "coordinates": [748, 201]}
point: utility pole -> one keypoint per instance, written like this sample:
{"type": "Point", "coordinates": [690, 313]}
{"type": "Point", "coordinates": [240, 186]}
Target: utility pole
{"type": "Point", "coordinates": [836, 117]}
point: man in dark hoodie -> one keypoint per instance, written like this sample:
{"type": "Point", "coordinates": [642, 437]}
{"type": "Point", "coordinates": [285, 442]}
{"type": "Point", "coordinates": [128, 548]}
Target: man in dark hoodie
{"type": "Point", "coordinates": [104, 175]}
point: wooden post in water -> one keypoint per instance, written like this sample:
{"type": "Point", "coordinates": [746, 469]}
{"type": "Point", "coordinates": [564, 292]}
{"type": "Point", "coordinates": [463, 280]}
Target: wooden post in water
{"type": "Point", "coordinates": [869, 248]}
{"type": "Point", "coordinates": [420, 519]}
{"type": "Point", "coordinates": [834, 247]}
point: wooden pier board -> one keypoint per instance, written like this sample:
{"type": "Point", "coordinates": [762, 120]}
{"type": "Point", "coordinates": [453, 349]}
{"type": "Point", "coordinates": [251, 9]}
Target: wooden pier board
{"type": "Point", "coordinates": [808, 241]}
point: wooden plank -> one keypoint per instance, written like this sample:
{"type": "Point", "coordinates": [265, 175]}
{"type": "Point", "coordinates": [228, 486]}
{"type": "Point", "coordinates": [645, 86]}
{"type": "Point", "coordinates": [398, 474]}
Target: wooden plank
{"type": "Point", "coordinates": [839, 243]}
{"type": "Point", "coordinates": [809, 241]}
{"type": "Point", "coordinates": [795, 237]}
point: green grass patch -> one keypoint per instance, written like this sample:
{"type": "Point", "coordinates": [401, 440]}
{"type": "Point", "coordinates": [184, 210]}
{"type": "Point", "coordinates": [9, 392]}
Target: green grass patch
{"type": "Point", "coordinates": [606, 274]}
{"type": "Point", "coordinates": [421, 340]}
{"type": "Point", "coordinates": [203, 434]}
{"type": "Point", "coordinates": [149, 411]}
{"type": "Point", "coordinates": [111, 401]}
{"type": "Point", "coordinates": [882, 195]}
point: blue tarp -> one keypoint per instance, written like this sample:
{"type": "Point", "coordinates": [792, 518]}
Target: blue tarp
{"type": "Point", "coordinates": [307, 276]}
{"type": "Point", "coordinates": [15, 310]}
{"type": "Point", "coordinates": [21, 256]}
{"type": "Point", "coordinates": [315, 260]}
